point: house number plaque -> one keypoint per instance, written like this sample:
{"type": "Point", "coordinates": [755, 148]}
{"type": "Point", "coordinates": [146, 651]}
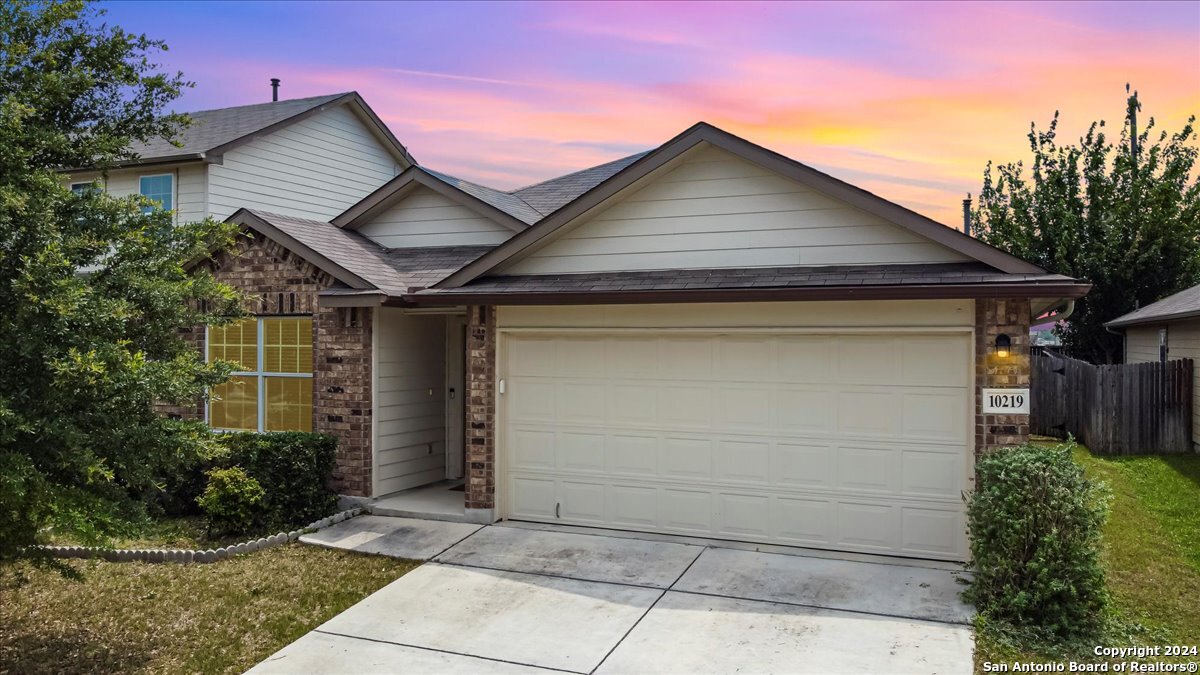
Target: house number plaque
{"type": "Point", "coordinates": [1006, 401]}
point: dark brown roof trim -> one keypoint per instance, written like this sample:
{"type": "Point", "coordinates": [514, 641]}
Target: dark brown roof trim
{"type": "Point", "coordinates": [903, 292]}
{"type": "Point", "coordinates": [704, 132]}
{"type": "Point", "coordinates": [1154, 319]}
{"type": "Point", "coordinates": [394, 191]}
{"type": "Point", "coordinates": [188, 158]}
{"type": "Point", "coordinates": [247, 219]}
{"type": "Point", "coordinates": [352, 98]}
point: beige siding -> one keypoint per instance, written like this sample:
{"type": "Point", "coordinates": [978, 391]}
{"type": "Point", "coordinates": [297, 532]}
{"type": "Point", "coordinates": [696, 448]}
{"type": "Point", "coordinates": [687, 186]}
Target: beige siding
{"type": "Point", "coordinates": [1183, 342]}
{"type": "Point", "coordinates": [189, 186]}
{"type": "Point", "coordinates": [426, 218]}
{"type": "Point", "coordinates": [315, 168]}
{"type": "Point", "coordinates": [410, 403]}
{"type": "Point", "coordinates": [715, 210]}
{"type": "Point", "coordinates": [909, 313]}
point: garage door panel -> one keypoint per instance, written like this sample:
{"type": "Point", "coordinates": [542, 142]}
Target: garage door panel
{"type": "Point", "coordinates": [868, 469]}
{"type": "Point", "coordinates": [935, 415]}
{"type": "Point", "coordinates": [868, 413]}
{"type": "Point", "coordinates": [684, 358]}
{"type": "Point", "coordinates": [805, 410]}
{"type": "Point", "coordinates": [744, 408]}
{"type": "Point", "coordinates": [675, 436]}
{"type": "Point", "coordinates": [935, 532]}
{"type": "Point", "coordinates": [935, 361]}
{"type": "Point", "coordinates": [533, 449]}
{"type": "Point", "coordinates": [635, 456]}
{"type": "Point", "coordinates": [582, 502]}
{"type": "Point", "coordinates": [868, 360]}
{"type": "Point", "coordinates": [743, 461]}
{"type": "Point", "coordinates": [685, 406]}
{"type": "Point", "coordinates": [803, 465]}
{"type": "Point", "coordinates": [579, 451]}
{"type": "Point", "coordinates": [868, 526]}
{"type": "Point", "coordinates": [744, 516]}
{"type": "Point", "coordinates": [744, 360]}
{"type": "Point", "coordinates": [687, 511]}
{"type": "Point", "coordinates": [531, 400]}
{"type": "Point", "coordinates": [528, 356]}
{"type": "Point", "coordinates": [686, 458]}
{"type": "Point", "coordinates": [805, 359]}
{"type": "Point", "coordinates": [931, 474]}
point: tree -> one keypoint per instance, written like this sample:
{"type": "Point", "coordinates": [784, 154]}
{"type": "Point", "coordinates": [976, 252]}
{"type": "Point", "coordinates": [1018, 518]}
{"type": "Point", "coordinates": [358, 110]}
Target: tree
{"type": "Point", "coordinates": [93, 292]}
{"type": "Point", "coordinates": [1125, 217]}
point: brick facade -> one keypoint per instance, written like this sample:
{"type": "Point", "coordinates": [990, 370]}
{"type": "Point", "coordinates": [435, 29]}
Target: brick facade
{"type": "Point", "coordinates": [276, 281]}
{"type": "Point", "coordinates": [995, 317]}
{"type": "Point", "coordinates": [481, 407]}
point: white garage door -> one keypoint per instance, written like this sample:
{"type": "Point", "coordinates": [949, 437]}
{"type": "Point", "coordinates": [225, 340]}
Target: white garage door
{"type": "Point", "coordinates": [853, 442]}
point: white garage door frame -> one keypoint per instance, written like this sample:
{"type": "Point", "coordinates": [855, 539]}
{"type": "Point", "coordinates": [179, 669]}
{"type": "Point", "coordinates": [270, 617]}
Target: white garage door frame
{"type": "Point", "coordinates": [503, 499]}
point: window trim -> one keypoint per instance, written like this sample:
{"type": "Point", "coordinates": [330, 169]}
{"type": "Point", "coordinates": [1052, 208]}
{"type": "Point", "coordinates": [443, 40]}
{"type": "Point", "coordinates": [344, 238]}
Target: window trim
{"type": "Point", "coordinates": [83, 185]}
{"type": "Point", "coordinates": [260, 375]}
{"type": "Point", "coordinates": [174, 187]}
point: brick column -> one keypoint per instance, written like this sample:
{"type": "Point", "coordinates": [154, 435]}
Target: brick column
{"type": "Point", "coordinates": [342, 392]}
{"type": "Point", "coordinates": [994, 317]}
{"type": "Point", "coordinates": [481, 407]}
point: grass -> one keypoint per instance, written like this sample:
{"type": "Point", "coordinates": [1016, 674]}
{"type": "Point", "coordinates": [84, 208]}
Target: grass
{"type": "Point", "coordinates": [141, 617]}
{"type": "Point", "coordinates": [1151, 558]}
{"type": "Point", "coordinates": [188, 532]}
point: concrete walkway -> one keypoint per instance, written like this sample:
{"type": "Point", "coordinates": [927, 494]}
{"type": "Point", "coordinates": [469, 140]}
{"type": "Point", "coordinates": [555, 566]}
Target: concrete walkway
{"type": "Point", "coordinates": [502, 599]}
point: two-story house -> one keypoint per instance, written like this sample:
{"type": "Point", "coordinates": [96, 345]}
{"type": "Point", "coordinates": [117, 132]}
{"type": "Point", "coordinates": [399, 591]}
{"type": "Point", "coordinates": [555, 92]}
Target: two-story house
{"type": "Point", "coordinates": [311, 157]}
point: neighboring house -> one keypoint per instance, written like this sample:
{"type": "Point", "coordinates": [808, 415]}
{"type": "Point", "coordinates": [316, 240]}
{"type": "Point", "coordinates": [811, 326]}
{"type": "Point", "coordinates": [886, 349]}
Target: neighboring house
{"type": "Point", "coordinates": [1167, 329]}
{"type": "Point", "coordinates": [311, 157]}
{"type": "Point", "coordinates": [1042, 335]}
{"type": "Point", "coordinates": [706, 339]}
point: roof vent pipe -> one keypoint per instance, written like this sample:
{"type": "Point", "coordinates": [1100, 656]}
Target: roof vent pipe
{"type": "Point", "coordinates": [967, 215]}
{"type": "Point", "coordinates": [274, 88]}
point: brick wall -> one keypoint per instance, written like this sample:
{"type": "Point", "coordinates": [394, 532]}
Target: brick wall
{"type": "Point", "coordinates": [481, 407]}
{"type": "Point", "coordinates": [276, 281]}
{"type": "Point", "coordinates": [994, 317]}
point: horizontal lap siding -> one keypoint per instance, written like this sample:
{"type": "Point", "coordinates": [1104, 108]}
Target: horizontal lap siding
{"type": "Point", "coordinates": [1183, 342]}
{"type": "Point", "coordinates": [315, 168]}
{"type": "Point", "coordinates": [409, 422]}
{"type": "Point", "coordinates": [190, 204]}
{"type": "Point", "coordinates": [715, 210]}
{"type": "Point", "coordinates": [426, 218]}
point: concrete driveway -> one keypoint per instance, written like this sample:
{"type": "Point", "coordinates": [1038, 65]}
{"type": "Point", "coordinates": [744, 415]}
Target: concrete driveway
{"type": "Point", "coordinates": [504, 599]}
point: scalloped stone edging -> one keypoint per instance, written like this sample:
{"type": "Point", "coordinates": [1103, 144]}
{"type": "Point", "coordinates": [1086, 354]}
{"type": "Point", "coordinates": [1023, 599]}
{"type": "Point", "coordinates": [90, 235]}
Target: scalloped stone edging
{"type": "Point", "coordinates": [196, 556]}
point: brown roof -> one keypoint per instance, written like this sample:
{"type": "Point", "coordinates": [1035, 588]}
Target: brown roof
{"type": "Point", "coordinates": [1183, 305]}
{"type": "Point", "coordinates": [948, 280]}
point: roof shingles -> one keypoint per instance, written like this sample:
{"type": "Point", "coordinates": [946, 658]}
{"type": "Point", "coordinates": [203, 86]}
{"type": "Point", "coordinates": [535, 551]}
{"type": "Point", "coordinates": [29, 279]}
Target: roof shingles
{"type": "Point", "coordinates": [1183, 304]}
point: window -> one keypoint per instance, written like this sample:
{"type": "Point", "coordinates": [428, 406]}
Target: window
{"type": "Point", "coordinates": [160, 189]}
{"type": "Point", "coordinates": [271, 390]}
{"type": "Point", "coordinates": [80, 188]}
{"type": "Point", "coordinates": [1163, 346]}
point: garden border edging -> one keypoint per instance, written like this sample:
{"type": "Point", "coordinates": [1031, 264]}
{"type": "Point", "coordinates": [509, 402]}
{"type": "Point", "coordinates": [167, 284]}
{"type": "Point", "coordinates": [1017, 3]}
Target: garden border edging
{"type": "Point", "coordinates": [196, 555]}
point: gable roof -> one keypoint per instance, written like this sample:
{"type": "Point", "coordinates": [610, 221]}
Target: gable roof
{"type": "Point", "coordinates": [356, 261]}
{"type": "Point", "coordinates": [214, 132]}
{"type": "Point", "coordinates": [551, 195]}
{"type": "Point", "coordinates": [497, 206]}
{"type": "Point", "coordinates": [1183, 305]}
{"type": "Point", "coordinates": [702, 132]}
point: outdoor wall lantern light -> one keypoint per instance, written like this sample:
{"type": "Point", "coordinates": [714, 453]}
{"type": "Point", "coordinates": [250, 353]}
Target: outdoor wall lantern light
{"type": "Point", "coordinates": [1003, 342]}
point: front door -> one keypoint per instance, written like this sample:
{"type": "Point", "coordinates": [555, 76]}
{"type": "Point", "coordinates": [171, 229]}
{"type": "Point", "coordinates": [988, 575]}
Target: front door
{"type": "Point", "coordinates": [456, 329]}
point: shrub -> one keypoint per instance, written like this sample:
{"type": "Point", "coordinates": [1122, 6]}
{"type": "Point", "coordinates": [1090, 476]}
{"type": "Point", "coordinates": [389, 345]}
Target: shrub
{"type": "Point", "coordinates": [231, 500]}
{"type": "Point", "coordinates": [293, 469]}
{"type": "Point", "coordinates": [1035, 524]}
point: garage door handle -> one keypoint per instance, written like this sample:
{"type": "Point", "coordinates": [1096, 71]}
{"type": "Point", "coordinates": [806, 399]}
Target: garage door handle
{"type": "Point", "coordinates": [556, 505]}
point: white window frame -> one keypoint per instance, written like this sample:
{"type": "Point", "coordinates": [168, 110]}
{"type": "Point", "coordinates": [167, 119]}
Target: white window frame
{"type": "Point", "coordinates": [174, 187]}
{"type": "Point", "coordinates": [84, 185]}
{"type": "Point", "coordinates": [260, 375]}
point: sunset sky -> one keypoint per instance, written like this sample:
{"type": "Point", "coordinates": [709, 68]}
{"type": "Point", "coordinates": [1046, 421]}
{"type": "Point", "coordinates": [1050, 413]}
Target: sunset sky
{"type": "Point", "coordinates": [908, 100]}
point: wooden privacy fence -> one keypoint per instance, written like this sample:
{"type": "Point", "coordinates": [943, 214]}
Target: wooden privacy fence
{"type": "Point", "coordinates": [1130, 409]}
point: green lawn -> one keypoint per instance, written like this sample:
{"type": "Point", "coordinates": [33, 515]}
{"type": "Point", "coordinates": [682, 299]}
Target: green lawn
{"type": "Point", "coordinates": [1151, 556]}
{"type": "Point", "coordinates": [141, 617]}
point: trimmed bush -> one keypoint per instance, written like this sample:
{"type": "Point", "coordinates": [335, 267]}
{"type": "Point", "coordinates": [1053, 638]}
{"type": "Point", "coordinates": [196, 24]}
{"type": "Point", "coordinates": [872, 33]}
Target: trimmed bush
{"type": "Point", "coordinates": [293, 468]}
{"type": "Point", "coordinates": [231, 500]}
{"type": "Point", "coordinates": [1035, 524]}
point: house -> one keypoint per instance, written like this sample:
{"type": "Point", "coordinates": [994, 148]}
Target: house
{"type": "Point", "coordinates": [1169, 328]}
{"type": "Point", "coordinates": [705, 339]}
{"type": "Point", "coordinates": [310, 157]}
